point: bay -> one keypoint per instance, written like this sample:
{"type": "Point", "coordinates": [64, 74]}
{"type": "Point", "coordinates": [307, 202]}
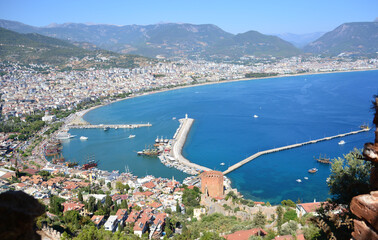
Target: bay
{"type": "Point", "coordinates": [289, 109]}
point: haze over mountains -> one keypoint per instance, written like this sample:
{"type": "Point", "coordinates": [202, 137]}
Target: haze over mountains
{"type": "Point", "coordinates": [207, 40]}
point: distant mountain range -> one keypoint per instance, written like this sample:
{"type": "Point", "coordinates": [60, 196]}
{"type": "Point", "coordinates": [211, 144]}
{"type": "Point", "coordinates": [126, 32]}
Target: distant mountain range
{"type": "Point", "coordinates": [206, 40]}
{"type": "Point", "coordinates": [359, 38]}
{"type": "Point", "coordinates": [39, 49]}
{"type": "Point", "coordinates": [300, 40]}
{"type": "Point", "coordinates": [167, 40]}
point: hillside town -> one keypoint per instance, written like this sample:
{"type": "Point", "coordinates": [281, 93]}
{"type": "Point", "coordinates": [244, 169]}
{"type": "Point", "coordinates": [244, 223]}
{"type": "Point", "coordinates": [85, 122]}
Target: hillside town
{"type": "Point", "coordinates": [43, 87]}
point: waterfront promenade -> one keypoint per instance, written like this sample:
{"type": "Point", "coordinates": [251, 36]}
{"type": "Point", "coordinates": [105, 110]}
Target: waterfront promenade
{"type": "Point", "coordinates": [258, 154]}
{"type": "Point", "coordinates": [179, 141]}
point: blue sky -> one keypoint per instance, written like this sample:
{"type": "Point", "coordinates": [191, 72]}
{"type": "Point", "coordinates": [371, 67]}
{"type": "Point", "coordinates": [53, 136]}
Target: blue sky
{"type": "Point", "coordinates": [265, 16]}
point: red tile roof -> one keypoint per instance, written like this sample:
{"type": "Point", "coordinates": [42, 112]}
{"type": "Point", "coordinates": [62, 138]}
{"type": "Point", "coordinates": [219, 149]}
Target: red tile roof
{"type": "Point", "coordinates": [149, 185]}
{"type": "Point", "coordinates": [310, 207]}
{"type": "Point", "coordinates": [245, 234]}
{"type": "Point", "coordinates": [72, 206]}
{"type": "Point", "coordinates": [96, 219]}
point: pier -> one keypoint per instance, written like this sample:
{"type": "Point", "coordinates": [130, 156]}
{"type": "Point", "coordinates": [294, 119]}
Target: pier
{"type": "Point", "coordinates": [258, 154]}
{"type": "Point", "coordinates": [179, 141]}
{"type": "Point", "coordinates": [115, 126]}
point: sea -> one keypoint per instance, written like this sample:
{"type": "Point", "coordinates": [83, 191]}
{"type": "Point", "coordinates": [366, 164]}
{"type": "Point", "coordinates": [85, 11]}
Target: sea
{"type": "Point", "coordinates": [288, 110]}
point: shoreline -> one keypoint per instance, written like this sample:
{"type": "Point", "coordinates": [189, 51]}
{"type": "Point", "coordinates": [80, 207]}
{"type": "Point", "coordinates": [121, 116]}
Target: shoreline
{"type": "Point", "coordinates": [85, 111]}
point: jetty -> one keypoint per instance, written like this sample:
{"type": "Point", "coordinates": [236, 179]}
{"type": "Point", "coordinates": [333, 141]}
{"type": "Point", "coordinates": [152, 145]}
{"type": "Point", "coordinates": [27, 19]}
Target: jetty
{"type": "Point", "coordinates": [179, 141]}
{"type": "Point", "coordinates": [258, 154]}
{"type": "Point", "coordinates": [115, 126]}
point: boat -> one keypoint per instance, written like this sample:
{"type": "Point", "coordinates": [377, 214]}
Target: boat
{"type": "Point", "coordinates": [83, 138]}
{"type": "Point", "coordinates": [70, 164]}
{"type": "Point", "coordinates": [90, 164]}
{"type": "Point", "coordinates": [313, 170]}
{"type": "Point", "coordinates": [342, 142]}
{"type": "Point", "coordinates": [306, 178]}
{"type": "Point", "coordinates": [174, 118]}
{"type": "Point", "coordinates": [365, 127]}
{"type": "Point", "coordinates": [131, 136]}
{"type": "Point", "coordinates": [222, 164]}
{"type": "Point", "coordinates": [298, 180]}
{"type": "Point", "coordinates": [106, 128]}
{"type": "Point", "coordinates": [58, 159]}
{"type": "Point", "coordinates": [64, 135]}
{"type": "Point", "coordinates": [255, 116]}
{"type": "Point", "coordinates": [116, 128]}
{"type": "Point", "coordinates": [323, 160]}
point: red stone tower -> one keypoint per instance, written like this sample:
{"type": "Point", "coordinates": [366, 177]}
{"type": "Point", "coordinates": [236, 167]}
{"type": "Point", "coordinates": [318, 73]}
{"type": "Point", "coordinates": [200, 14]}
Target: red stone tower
{"type": "Point", "coordinates": [212, 184]}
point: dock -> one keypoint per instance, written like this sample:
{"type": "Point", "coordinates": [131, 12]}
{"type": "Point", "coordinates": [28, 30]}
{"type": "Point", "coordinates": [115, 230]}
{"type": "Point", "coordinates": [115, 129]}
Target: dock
{"type": "Point", "coordinates": [258, 154]}
{"type": "Point", "coordinates": [115, 126]}
{"type": "Point", "coordinates": [179, 141]}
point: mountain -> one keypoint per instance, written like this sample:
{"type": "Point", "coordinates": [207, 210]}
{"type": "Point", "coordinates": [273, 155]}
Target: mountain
{"type": "Point", "coordinates": [300, 40]}
{"type": "Point", "coordinates": [253, 43]}
{"type": "Point", "coordinates": [358, 38]}
{"type": "Point", "coordinates": [39, 49]}
{"type": "Point", "coordinates": [168, 40]}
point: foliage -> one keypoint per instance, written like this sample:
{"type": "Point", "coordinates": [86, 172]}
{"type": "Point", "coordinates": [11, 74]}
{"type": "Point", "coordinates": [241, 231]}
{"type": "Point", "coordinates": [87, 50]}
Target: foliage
{"type": "Point", "coordinates": [288, 203]}
{"type": "Point", "coordinates": [56, 205]}
{"type": "Point", "coordinates": [289, 228]}
{"type": "Point", "coordinates": [290, 215]}
{"type": "Point", "coordinates": [311, 232]}
{"type": "Point", "coordinates": [191, 197]}
{"type": "Point", "coordinates": [260, 75]}
{"type": "Point", "coordinates": [92, 233]}
{"type": "Point", "coordinates": [349, 177]}
{"type": "Point", "coordinates": [280, 213]}
{"type": "Point", "coordinates": [211, 236]}
{"type": "Point", "coordinates": [259, 220]}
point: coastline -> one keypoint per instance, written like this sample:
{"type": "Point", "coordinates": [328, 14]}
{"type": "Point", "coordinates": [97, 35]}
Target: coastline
{"type": "Point", "coordinates": [85, 111]}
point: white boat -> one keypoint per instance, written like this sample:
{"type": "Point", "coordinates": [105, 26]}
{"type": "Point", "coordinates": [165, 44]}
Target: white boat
{"type": "Point", "coordinates": [131, 136]}
{"type": "Point", "coordinates": [342, 142]}
{"type": "Point", "coordinates": [298, 180]}
{"type": "Point", "coordinates": [255, 116]}
{"type": "Point", "coordinates": [174, 118]}
{"type": "Point", "coordinates": [106, 128]}
{"type": "Point", "coordinates": [306, 178]}
{"type": "Point", "coordinates": [222, 164]}
{"type": "Point", "coordinates": [83, 138]}
{"type": "Point", "coordinates": [64, 135]}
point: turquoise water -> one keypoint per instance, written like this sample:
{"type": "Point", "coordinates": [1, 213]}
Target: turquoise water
{"type": "Point", "coordinates": [290, 110]}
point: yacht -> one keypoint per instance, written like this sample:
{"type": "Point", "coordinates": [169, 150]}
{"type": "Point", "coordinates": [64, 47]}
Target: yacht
{"type": "Point", "coordinates": [313, 170]}
{"type": "Point", "coordinates": [255, 116]}
{"type": "Point", "coordinates": [342, 142]}
{"type": "Point", "coordinates": [83, 138]}
{"type": "Point", "coordinates": [306, 178]}
{"type": "Point", "coordinates": [64, 135]}
{"type": "Point", "coordinates": [131, 136]}
{"type": "Point", "coordinates": [222, 164]}
{"type": "Point", "coordinates": [106, 128]}
{"type": "Point", "coordinates": [298, 180]}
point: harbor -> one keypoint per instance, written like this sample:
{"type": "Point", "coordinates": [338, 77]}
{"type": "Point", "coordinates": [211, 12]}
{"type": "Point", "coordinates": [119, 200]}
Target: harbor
{"type": "Point", "coordinates": [258, 154]}
{"type": "Point", "coordinates": [171, 150]}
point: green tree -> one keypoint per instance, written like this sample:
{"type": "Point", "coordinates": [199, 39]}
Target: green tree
{"type": "Point", "coordinates": [280, 212]}
{"type": "Point", "coordinates": [56, 205]}
{"type": "Point", "coordinates": [289, 228]}
{"type": "Point", "coordinates": [91, 204]}
{"type": "Point", "coordinates": [349, 177]}
{"type": "Point", "coordinates": [178, 208]}
{"type": "Point", "coordinates": [311, 232]}
{"type": "Point", "coordinates": [124, 204]}
{"type": "Point", "coordinates": [80, 196]}
{"type": "Point", "coordinates": [290, 215]}
{"type": "Point", "coordinates": [191, 197]}
{"type": "Point", "coordinates": [259, 220]}
{"type": "Point", "coordinates": [288, 203]}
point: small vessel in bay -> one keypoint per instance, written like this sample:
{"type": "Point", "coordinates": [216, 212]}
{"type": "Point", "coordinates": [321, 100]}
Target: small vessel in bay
{"type": "Point", "coordinates": [131, 136]}
{"type": "Point", "coordinates": [83, 138]}
{"type": "Point", "coordinates": [298, 180]}
{"type": "Point", "coordinates": [313, 170]}
{"type": "Point", "coordinates": [255, 116]}
{"type": "Point", "coordinates": [222, 164]}
{"type": "Point", "coordinates": [342, 142]}
{"type": "Point", "coordinates": [364, 127]}
{"type": "Point", "coordinates": [106, 128]}
{"type": "Point", "coordinates": [323, 159]}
